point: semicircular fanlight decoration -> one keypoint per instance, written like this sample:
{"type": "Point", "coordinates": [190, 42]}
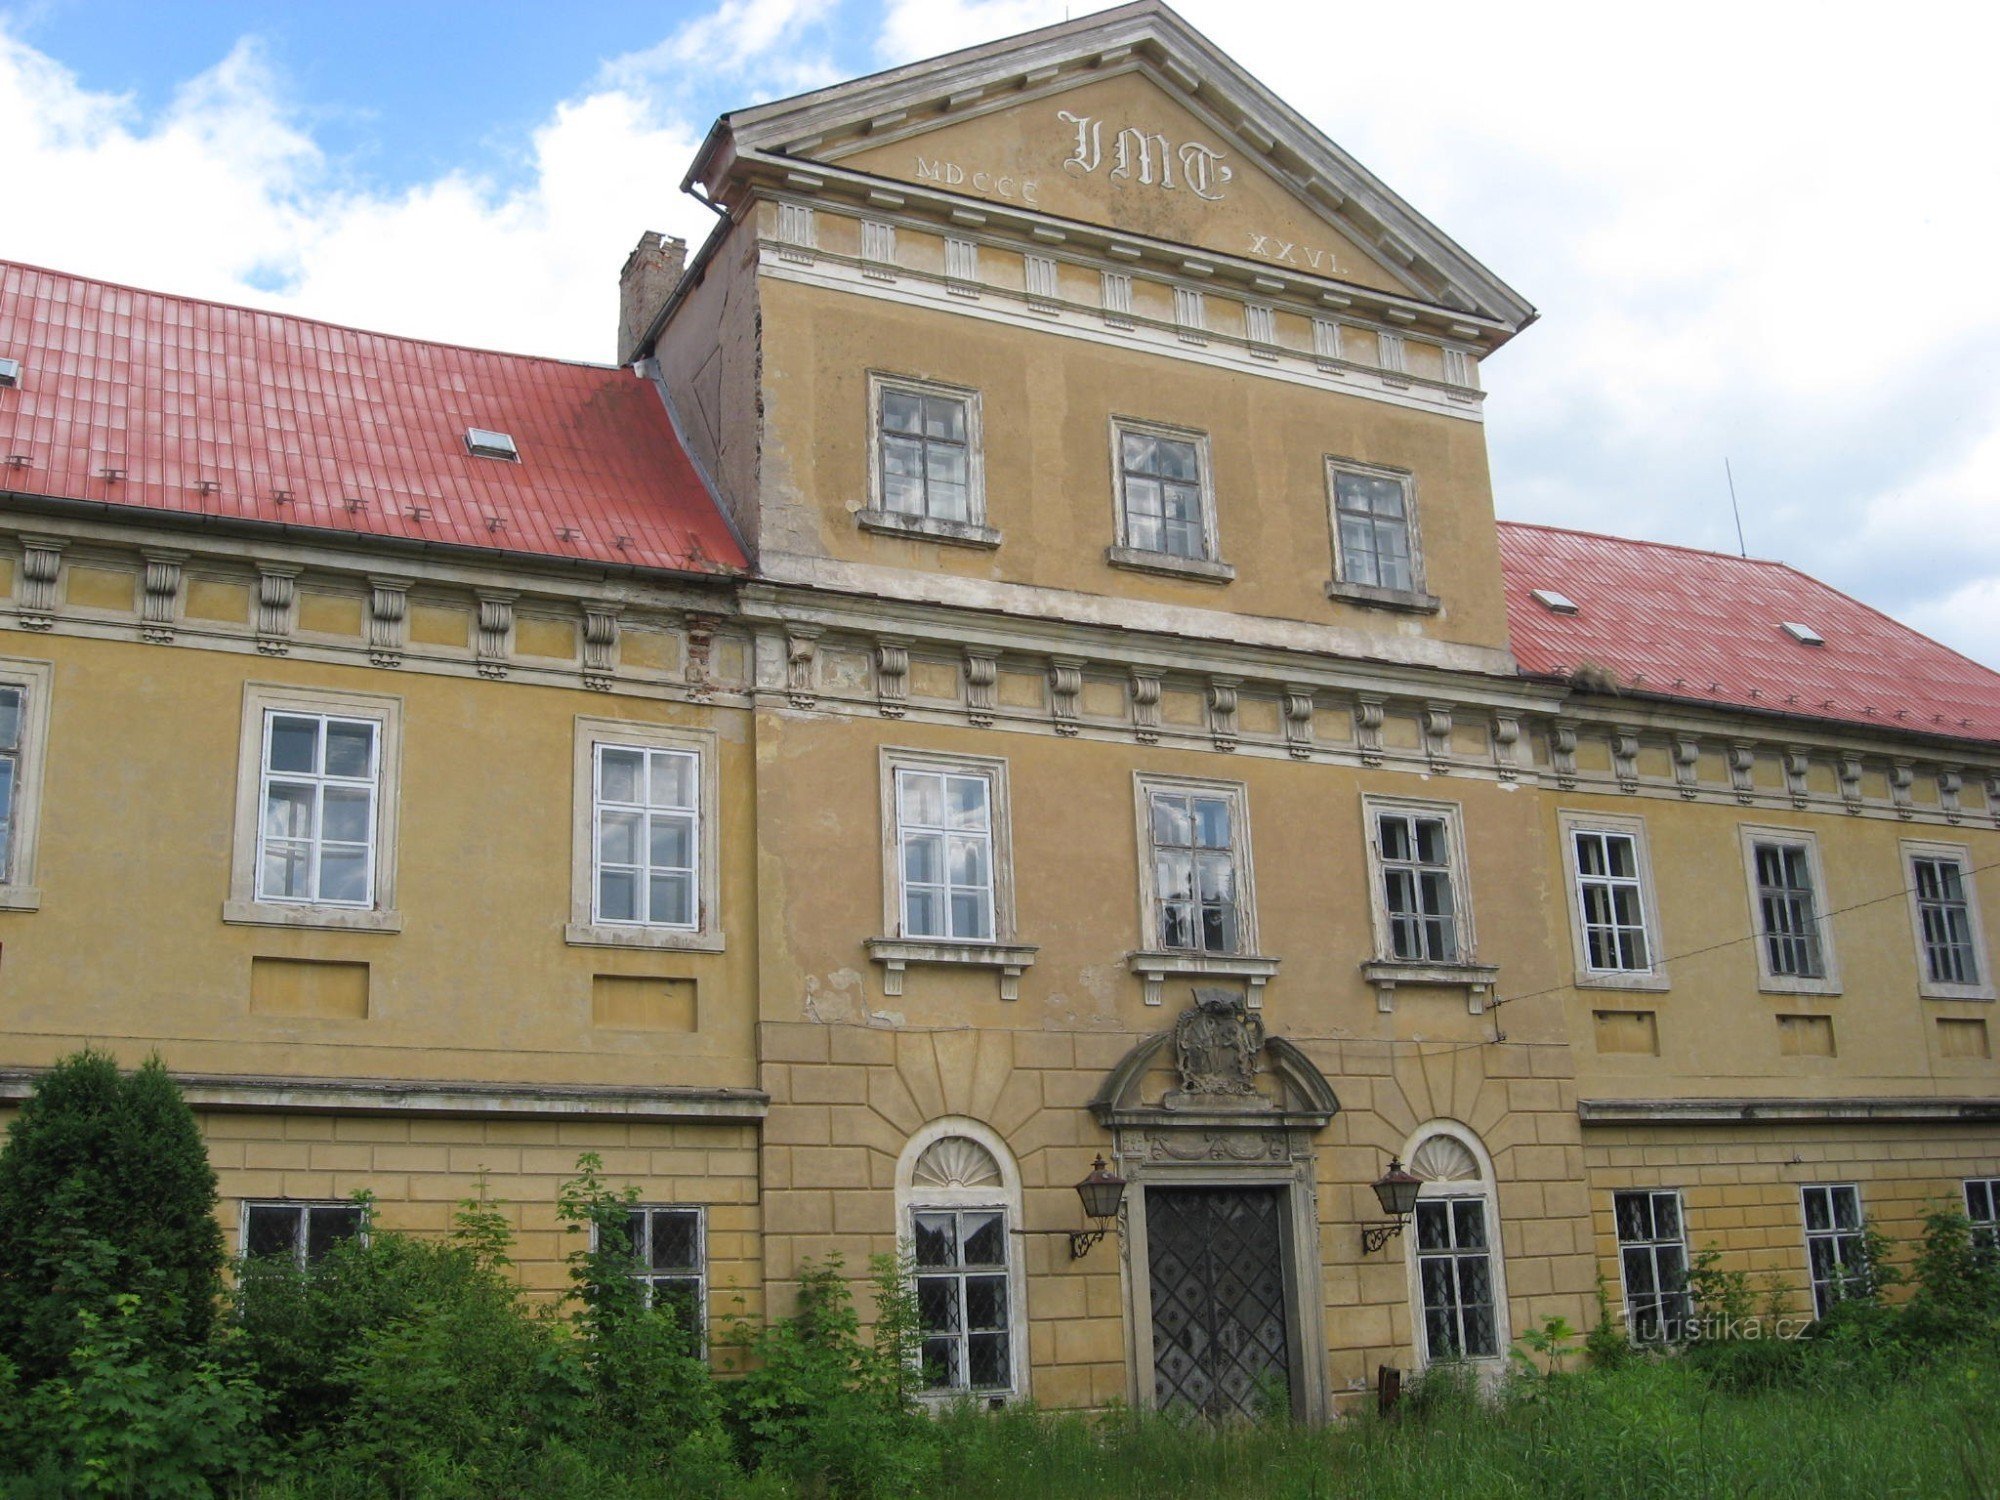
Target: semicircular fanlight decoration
{"type": "Point", "coordinates": [1445, 1158]}
{"type": "Point", "coordinates": [956, 1162]}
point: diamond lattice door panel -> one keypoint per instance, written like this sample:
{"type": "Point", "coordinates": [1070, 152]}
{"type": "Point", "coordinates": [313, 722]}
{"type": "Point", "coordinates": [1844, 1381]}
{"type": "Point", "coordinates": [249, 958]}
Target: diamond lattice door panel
{"type": "Point", "coordinates": [1218, 1298]}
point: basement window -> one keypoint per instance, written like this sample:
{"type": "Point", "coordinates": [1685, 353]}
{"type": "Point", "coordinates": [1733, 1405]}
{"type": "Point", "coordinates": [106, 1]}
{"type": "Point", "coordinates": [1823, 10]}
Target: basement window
{"type": "Point", "coordinates": [1550, 600]}
{"type": "Point", "coordinates": [10, 372]}
{"type": "Point", "coordinates": [484, 444]}
{"type": "Point", "coordinates": [1805, 635]}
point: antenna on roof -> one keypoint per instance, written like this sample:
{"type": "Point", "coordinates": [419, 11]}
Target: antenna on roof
{"type": "Point", "coordinates": [1735, 509]}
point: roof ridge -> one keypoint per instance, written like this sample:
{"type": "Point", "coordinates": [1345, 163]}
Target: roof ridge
{"type": "Point", "coordinates": [291, 317]}
{"type": "Point", "coordinates": [1643, 541]}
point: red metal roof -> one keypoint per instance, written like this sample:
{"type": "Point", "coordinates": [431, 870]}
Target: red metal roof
{"type": "Point", "coordinates": [1709, 627]}
{"type": "Point", "coordinates": [137, 398]}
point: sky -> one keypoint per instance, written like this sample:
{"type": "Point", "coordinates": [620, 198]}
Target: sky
{"type": "Point", "coordinates": [1758, 233]}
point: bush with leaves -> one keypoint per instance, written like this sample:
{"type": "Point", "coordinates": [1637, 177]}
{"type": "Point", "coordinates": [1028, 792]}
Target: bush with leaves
{"type": "Point", "coordinates": [829, 1410]}
{"type": "Point", "coordinates": [118, 1161]}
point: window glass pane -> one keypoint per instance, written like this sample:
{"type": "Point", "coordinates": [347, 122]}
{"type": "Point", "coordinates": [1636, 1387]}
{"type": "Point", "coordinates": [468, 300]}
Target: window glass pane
{"type": "Point", "coordinates": [1173, 873]}
{"type": "Point", "coordinates": [1172, 822]}
{"type": "Point", "coordinates": [285, 871]}
{"type": "Point", "coordinates": [676, 1240]}
{"type": "Point", "coordinates": [346, 814]}
{"type": "Point", "coordinates": [673, 843]}
{"type": "Point", "coordinates": [923, 859]}
{"type": "Point", "coordinates": [968, 861]}
{"type": "Point", "coordinates": [672, 780]}
{"type": "Point", "coordinates": [1177, 459]}
{"type": "Point", "coordinates": [288, 811]}
{"type": "Point", "coordinates": [923, 913]}
{"type": "Point", "coordinates": [618, 895]}
{"type": "Point", "coordinates": [672, 900]}
{"type": "Point", "coordinates": [937, 1303]}
{"type": "Point", "coordinates": [618, 837]}
{"type": "Point", "coordinates": [936, 1240]}
{"type": "Point", "coordinates": [968, 801]}
{"type": "Point", "coordinates": [1469, 1221]}
{"type": "Point", "coordinates": [343, 875]}
{"type": "Point", "coordinates": [985, 1239]}
{"type": "Point", "coordinates": [1394, 836]}
{"type": "Point", "coordinates": [1211, 816]}
{"type": "Point", "coordinates": [1846, 1209]}
{"type": "Point", "coordinates": [10, 718]}
{"type": "Point", "coordinates": [944, 418]}
{"type": "Point", "coordinates": [1145, 533]}
{"type": "Point", "coordinates": [271, 1229]}
{"type": "Point", "coordinates": [986, 1361]}
{"type": "Point", "coordinates": [902, 411]}
{"type": "Point", "coordinates": [1433, 1226]}
{"type": "Point", "coordinates": [350, 749]}
{"type": "Point", "coordinates": [1138, 449]}
{"type": "Point", "coordinates": [619, 774]}
{"type": "Point", "coordinates": [923, 797]}
{"type": "Point", "coordinates": [329, 1224]}
{"type": "Point", "coordinates": [635, 1234]}
{"type": "Point", "coordinates": [1142, 498]}
{"type": "Point", "coordinates": [1818, 1215]}
{"type": "Point", "coordinates": [294, 743]}
{"type": "Point", "coordinates": [968, 917]}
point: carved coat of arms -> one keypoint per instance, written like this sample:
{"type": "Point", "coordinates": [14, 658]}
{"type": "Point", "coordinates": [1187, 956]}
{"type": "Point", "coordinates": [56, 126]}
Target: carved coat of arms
{"type": "Point", "coordinates": [1216, 1044]}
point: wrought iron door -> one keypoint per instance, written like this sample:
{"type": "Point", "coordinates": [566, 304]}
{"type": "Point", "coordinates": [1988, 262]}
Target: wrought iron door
{"type": "Point", "coordinates": [1218, 1281]}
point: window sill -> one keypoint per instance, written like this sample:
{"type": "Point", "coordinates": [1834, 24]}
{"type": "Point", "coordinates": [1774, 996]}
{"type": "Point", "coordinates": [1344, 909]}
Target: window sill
{"type": "Point", "coordinates": [1614, 979]}
{"type": "Point", "coordinates": [1924, 991]}
{"type": "Point", "coordinates": [1768, 985]}
{"type": "Point", "coordinates": [927, 528]}
{"type": "Point", "coordinates": [897, 954]}
{"type": "Point", "coordinates": [1414, 601]}
{"type": "Point", "coordinates": [1153, 965]}
{"type": "Point", "coordinates": [336, 918]}
{"type": "Point", "coordinates": [20, 898]}
{"type": "Point", "coordinates": [616, 935]}
{"type": "Point", "coordinates": [1386, 973]}
{"type": "Point", "coordinates": [1167, 565]}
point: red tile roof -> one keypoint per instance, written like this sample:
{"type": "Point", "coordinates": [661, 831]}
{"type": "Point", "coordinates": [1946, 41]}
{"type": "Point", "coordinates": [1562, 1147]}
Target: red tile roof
{"type": "Point", "coordinates": [221, 411]}
{"type": "Point", "coordinates": [1708, 627]}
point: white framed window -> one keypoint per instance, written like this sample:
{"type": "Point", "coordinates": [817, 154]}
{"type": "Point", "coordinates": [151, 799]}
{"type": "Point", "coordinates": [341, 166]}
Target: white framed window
{"type": "Point", "coordinates": [645, 839]}
{"type": "Point", "coordinates": [1165, 495]}
{"type": "Point", "coordinates": [302, 1231]}
{"type": "Point", "coordinates": [1195, 868]}
{"type": "Point", "coordinates": [1421, 899]}
{"type": "Point", "coordinates": [948, 848]}
{"type": "Point", "coordinates": [1457, 1280]}
{"type": "Point", "coordinates": [1836, 1253]}
{"type": "Point", "coordinates": [1944, 916]}
{"type": "Point", "coordinates": [1787, 904]}
{"type": "Point", "coordinates": [670, 1245]}
{"type": "Point", "coordinates": [1653, 1263]}
{"type": "Point", "coordinates": [24, 728]}
{"type": "Point", "coordinates": [1982, 1207]}
{"type": "Point", "coordinates": [1612, 916]}
{"type": "Point", "coordinates": [926, 469]}
{"type": "Point", "coordinates": [316, 809]}
{"type": "Point", "coordinates": [1375, 542]}
{"type": "Point", "coordinates": [958, 1197]}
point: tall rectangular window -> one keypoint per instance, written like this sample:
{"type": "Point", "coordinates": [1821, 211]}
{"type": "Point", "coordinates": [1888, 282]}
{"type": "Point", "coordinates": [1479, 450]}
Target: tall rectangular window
{"type": "Point", "coordinates": [1610, 898]}
{"type": "Point", "coordinates": [1836, 1254]}
{"type": "Point", "coordinates": [316, 841]}
{"type": "Point", "coordinates": [944, 832]}
{"type": "Point", "coordinates": [1982, 1207]}
{"type": "Point", "coordinates": [13, 701]}
{"type": "Point", "coordinates": [1162, 492]}
{"type": "Point", "coordinates": [1414, 853]}
{"type": "Point", "coordinates": [301, 1232]}
{"type": "Point", "coordinates": [1944, 912]}
{"type": "Point", "coordinates": [1195, 901]}
{"type": "Point", "coordinates": [1789, 910]}
{"type": "Point", "coordinates": [671, 1252]}
{"type": "Point", "coordinates": [1374, 540]}
{"type": "Point", "coordinates": [924, 445]}
{"type": "Point", "coordinates": [962, 1298]}
{"type": "Point", "coordinates": [1652, 1256]}
{"type": "Point", "coordinates": [646, 821]}
{"type": "Point", "coordinates": [1455, 1271]}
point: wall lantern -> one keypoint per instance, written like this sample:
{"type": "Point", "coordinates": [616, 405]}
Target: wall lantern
{"type": "Point", "coordinates": [1102, 1191]}
{"type": "Point", "coordinates": [1397, 1192]}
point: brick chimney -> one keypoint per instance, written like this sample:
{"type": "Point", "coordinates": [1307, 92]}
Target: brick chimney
{"type": "Point", "coordinates": [652, 271]}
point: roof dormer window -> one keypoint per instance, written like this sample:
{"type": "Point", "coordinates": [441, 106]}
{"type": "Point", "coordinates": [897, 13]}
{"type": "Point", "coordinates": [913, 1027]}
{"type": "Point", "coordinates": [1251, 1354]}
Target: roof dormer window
{"type": "Point", "coordinates": [482, 443]}
{"type": "Point", "coordinates": [1554, 602]}
{"type": "Point", "coordinates": [1805, 635]}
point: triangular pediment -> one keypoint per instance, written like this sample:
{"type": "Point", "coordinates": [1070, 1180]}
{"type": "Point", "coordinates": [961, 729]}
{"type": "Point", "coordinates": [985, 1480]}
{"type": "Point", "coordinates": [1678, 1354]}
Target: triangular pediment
{"type": "Point", "coordinates": [1133, 122]}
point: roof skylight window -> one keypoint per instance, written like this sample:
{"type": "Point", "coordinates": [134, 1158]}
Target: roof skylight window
{"type": "Point", "coordinates": [1560, 604]}
{"type": "Point", "coordinates": [1805, 635]}
{"type": "Point", "coordinates": [484, 444]}
{"type": "Point", "coordinates": [10, 371]}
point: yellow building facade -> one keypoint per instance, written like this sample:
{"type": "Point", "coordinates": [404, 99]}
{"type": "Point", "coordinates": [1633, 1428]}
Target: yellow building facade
{"type": "Point", "coordinates": [1117, 737]}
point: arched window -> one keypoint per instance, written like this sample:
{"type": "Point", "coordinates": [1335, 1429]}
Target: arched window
{"type": "Point", "coordinates": [958, 1202]}
{"type": "Point", "coordinates": [1459, 1292]}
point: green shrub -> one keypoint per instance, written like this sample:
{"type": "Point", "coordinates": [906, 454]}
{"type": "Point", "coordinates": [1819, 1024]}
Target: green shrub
{"type": "Point", "coordinates": [96, 1158]}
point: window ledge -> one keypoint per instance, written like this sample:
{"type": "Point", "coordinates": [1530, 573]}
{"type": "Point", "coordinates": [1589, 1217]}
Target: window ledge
{"type": "Point", "coordinates": [1386, 973]}
{"type": "Point", "coordinates": [1168, 565]}
{"type": "Point", "coordinates": [897, 954]}
{"type": "Point", "coordinates": [1927, 991]}
{"type": "Point", "coordinates": [339, 918]}
{"type": "Point", "coordinates": [1153, 965]}
{"type": "Point", "coordinates": [20, 898]}
{"type": "Point", "coordinates": [618, 935]}
{"type": "Point", "coordinates": [1615, 979]}
{"type": "Point", "coordinates": [928, 528]}
{"type": "Point", "coordinates": [1415, 601]}
{"type": "Point", "coordinates": [1767, 985]}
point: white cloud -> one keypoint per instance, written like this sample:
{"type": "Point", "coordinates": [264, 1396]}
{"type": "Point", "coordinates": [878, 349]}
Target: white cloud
{"type": "Point", "coordinates": [914, 29]}
{"type": "Point", "coordinates": [762, 43]}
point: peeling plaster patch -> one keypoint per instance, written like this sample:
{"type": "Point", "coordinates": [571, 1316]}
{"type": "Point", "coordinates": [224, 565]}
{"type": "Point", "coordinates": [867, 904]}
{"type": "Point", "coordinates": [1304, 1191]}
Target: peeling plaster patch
{"type": "Point", "coordinates": [889, 1017]}
{"type": "Point", "coordinates": [1101, 981]}
{"type": "Point", "coordinates": [839, 997]}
